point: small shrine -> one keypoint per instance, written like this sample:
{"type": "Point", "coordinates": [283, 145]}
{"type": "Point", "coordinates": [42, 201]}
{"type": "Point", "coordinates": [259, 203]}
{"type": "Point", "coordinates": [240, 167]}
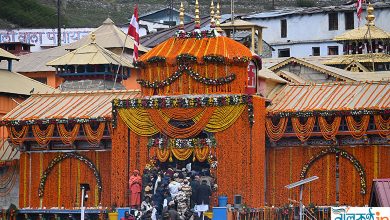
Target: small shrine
{"type": "Point", "coordinates": [366, 48]}
{"type": "Point", "coordinates": [94, 65]}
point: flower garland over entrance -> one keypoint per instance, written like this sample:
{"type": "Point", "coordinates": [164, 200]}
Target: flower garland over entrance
{"type": "Point", "coordinates": [62, 157]}
{"type": "Point", "coordinates": [346, 155]}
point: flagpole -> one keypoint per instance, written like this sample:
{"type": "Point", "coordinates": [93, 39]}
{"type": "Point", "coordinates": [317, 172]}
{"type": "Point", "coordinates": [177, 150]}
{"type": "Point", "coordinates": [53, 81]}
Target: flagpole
{"type": "Point", "coordinates": [120, 62]}
{"type": "Point", "coordinates": [135, 15]}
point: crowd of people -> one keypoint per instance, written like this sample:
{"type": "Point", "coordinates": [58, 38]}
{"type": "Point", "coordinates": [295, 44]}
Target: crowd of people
{"type": "Point", "coordinates": [171, 193]}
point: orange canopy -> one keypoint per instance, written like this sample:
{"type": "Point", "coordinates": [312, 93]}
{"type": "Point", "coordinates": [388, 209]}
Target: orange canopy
{"type": "Point", "coordinates": [219, 46]}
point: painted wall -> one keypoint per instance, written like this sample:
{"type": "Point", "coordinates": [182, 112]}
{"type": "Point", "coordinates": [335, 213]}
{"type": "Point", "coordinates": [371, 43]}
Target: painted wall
{"type": "Point", "coordinates": [284, 166]}
{"type": "Point", "coordinates": [50, 76]}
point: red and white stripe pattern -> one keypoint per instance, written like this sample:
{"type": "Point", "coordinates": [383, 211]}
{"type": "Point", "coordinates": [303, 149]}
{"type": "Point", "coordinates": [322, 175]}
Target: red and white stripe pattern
{"type": "Point", "coordinates": [134, 32]}
{"type": "Point", "coordinates": [359, 9]}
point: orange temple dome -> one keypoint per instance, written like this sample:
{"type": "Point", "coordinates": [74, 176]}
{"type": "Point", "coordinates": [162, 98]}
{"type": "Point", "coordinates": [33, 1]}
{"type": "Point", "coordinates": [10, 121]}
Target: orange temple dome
{"type": "Point", "coordinates": [195, 63]}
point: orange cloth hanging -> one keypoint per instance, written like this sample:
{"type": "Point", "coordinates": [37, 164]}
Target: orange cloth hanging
{"type": "Point", "coordinates": [175, 132]}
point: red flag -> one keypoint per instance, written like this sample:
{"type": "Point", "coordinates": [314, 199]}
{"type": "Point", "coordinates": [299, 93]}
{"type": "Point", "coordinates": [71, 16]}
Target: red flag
{"type": "Point", "coordinates": [134, 32]}
{"type": "Point", "coordinates": [359, 9]}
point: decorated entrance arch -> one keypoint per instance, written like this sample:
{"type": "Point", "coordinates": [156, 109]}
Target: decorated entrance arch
{"type": "Point", "coordinates": [58, 160]}
{"type": "Point", "coordinates": [359, 168]}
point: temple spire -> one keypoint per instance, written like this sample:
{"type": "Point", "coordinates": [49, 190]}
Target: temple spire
{"type": "Point", "coordinates": [218, 19]}
{"type": "Point", "coordinates": [212, 21]}
{"type": "Point", "coordinates": [370, 15]}
{"type": "Point", "coordinates": [197, 19]}
{"type": "Point", "coordinates": [93, 37]}
{"type": "Point", "coordinates": [181, 15]}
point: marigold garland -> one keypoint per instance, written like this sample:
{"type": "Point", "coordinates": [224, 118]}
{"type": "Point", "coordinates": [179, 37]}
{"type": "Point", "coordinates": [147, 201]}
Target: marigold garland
{"type": "Point", "coordinates": [62, 157]}
{"type": "Point", "coordinates": [183, 114]}
{"type": "Point", "coordinates": [303, 131]}
{"type": "Point", "coordinates": [152, 121]}
{"type": "Point", "coordinates": [94, 137]}
{"type": "Point", "coordinates": [359, 168]}
{"type": "Point", "coordinates": [43, 137]}
{"type": "Point", "coordinates": [173, 131]}
{"type": "Point", "coordinates": [196, 76]}
{"type": "Point", "coordinates": [68, 137]}
{"type": "Point", "coordinates": [357, 128]}
{"type": "Point", "coordinates": [201, 154]}
{"type": "Point", "coordinates": [275, 132]}
{"type": "Point", "coordinates": [17, 137]}
{"type": "Point", "coordinates": [382, 125]}
{"type": "Point", "coordinates": [329, 131]}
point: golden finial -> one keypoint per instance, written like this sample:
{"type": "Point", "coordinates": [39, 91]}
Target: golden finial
{"type": "Point", "coordinates": [197, 19]}
{"type": "Point", "coordinates": [212, 21]}
{"type": "Point", "coordinates": [370, 15]}
{"type": "Point", "coordinates": [93, 37]}
{"type": "Point", "coordinates": [218, 16]}
{"type": "Point", "coordinates": [181, 15]}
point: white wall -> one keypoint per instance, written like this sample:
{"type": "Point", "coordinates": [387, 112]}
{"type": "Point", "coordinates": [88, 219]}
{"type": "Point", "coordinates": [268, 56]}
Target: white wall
{"type": "Point", "coordinates": [311, 30]}
{"type": "Point", "coordinates": [305, 49]}
{"type": "Point", "coordinates": [311, 27]}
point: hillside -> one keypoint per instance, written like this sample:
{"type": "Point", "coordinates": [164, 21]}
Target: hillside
{"type": "Point", "coordinates": [87, 13]}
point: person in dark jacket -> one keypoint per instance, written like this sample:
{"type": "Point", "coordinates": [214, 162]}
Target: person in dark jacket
{"type": "Point", "coordinates": [204, 193]}
{"type": "Point", "coordinates": [194, 187]}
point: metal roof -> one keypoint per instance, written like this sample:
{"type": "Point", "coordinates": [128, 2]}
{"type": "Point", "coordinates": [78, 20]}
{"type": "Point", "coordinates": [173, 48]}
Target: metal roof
{"type": "Point", "coordinates": [332, 96]}
{"type": "Point", "coordinates": [69, 105]}
{"type": "Point", "coordinates": [380, 192]}
{"type": "Point", "coordinates": [7, 151]}
{"type": "Point", "coordinates": [15, 83]}
{"type": "Point", "coordinates": [90, 54]}
{"type": "Point", "coordinates": [364, 32]}
{"type": "Point", "coordinates": [7, 55]}
{"type": "Point", "coordinates": [269, 75]}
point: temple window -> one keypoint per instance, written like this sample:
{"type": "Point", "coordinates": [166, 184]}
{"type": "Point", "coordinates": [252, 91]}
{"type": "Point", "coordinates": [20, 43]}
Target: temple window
{"type": "Point", "coordinates": [284, 52]}
{"type": "Point", "coordinates": [333, 21]}
{"type": "Point", "coordinates": [333, 50]}
{"type": "Point", "coordinates": [349, 20]}
{"type": "Point", "coordinates": [283, 28]}
{"type": "Point", "coordinates": [315, 51]}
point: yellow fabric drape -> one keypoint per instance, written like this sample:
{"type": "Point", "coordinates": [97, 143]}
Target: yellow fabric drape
{"type": "Point", "coordinates": [200, 154]}
{"type": "Point", "coordinates": [182, 154]}
{"type": "Point", "coordinates": [152, 121]}
{"type": "Point", "coordinates": [138, 121]}
{"type": "Point", "coordinates": [163, 154]}
{"type": "Point", "coordinates": [224, 117]}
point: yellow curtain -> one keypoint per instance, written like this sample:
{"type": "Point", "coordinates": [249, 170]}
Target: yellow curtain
{"type": "Point", "coordinates": [152, 121]}
{"type": "Point", "coordinates": [138, 121]}
{"type": "Point", "coordinates": [224, 117]}
{"type": "Point", "coordinates": [200, 154]}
